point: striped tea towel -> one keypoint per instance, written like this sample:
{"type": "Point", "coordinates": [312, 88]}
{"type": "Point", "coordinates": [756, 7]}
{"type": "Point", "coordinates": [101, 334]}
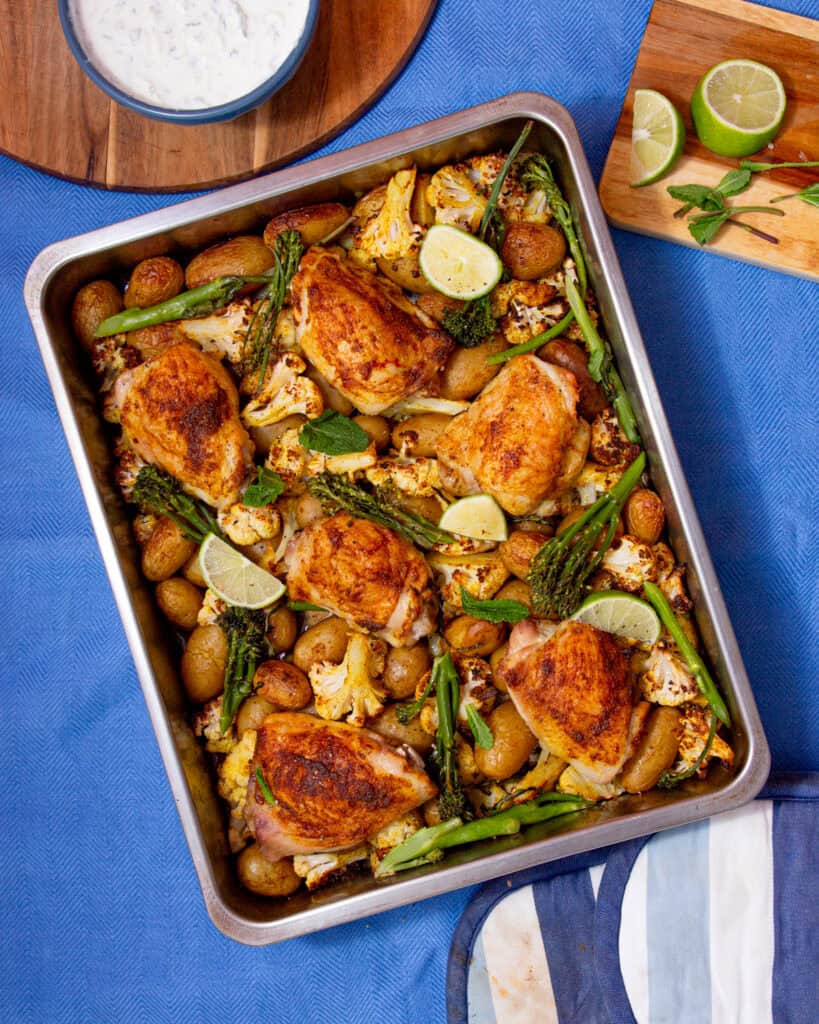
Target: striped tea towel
{"type": "Point", "coordinates": [711, 923]}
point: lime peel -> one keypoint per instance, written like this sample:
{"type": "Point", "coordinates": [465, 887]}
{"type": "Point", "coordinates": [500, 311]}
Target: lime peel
{"type": "Point", "coordinates": [657, 137]}
{"type": "Point", "coordinates": [458, 264]}
{"type": "Point", "coordinates": [477, 516]}
{"type": "Point", "coordinates": [234, 578]}
{"type": "Point", "coordinates": [622, 614]}
{"type": "Point", "coordinates": [738, 106]}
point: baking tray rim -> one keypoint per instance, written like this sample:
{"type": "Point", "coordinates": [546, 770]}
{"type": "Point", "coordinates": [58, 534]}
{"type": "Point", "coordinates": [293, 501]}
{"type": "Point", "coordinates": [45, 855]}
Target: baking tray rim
{"type": "Point", "coordinates": [739, 790]}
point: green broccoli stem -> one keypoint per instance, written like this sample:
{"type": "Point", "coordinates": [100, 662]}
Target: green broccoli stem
{"type": "Point", "coordinates": [699, 670]}
{"type": "Point", "coordinates": [537, 174]}
{"type": "Point", "coordinates": [448, 698]}
{"type": "Point", "coordinates": [246, 647]}
{"type": "Point", "coordinates": [492, 203]}
{"type": "Point", "coordinates": [532, 343]}
{"type": "Point", "coordinates": [160, 493]}
{"type": "Point", "coordinates": [196, 302]}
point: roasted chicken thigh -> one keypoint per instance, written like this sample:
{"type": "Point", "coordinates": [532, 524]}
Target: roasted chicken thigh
{"type": "Point", "coordinates": [334, 785]}
{"type": "Point", "coordinates": [366, 574]}
{"type": "Point", "coordinates": [363, 334]}
{"type": "Point", "coordinates": [512, 440]}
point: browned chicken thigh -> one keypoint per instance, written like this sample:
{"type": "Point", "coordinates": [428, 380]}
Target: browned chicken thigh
{"type": "Point", "coordinates": [363, 334]}
{"type": "Point", "coordinates": [512, 440]}
{"type": "Point", "coordinates": [180, 411]}
{"type": "Point", "coordinates": [572, 687]}
{"type": "Point", "coordinates": [335, 785]}
{"type": "Point", "coordinates": [366, 574]}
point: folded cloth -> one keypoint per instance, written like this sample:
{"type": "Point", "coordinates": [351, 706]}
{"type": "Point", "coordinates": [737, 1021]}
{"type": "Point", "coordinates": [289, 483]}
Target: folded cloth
{"type": "Point", "coordinates": [712, 923]}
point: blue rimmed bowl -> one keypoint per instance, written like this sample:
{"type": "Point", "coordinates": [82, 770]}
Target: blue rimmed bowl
{"type": "Point", "coordinates": [204, 115]}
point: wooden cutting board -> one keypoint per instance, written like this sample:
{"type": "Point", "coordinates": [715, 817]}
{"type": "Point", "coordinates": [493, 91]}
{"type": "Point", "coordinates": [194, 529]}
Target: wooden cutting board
{"type": "Point", "coordinates": [56, 119]}
{"type": "Point", "coordinates": [683, 39]}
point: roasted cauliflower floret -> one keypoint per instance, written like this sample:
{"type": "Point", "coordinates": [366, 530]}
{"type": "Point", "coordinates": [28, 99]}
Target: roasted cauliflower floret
{"type": "Point", "coordinates": [696, 722]}
{"type": "Point", "coordinates": [592, 481]}
{"type": "Point", "coordinates": [349, 463]}
{"type": "Point", "coordinates": [212, 607]}
{"type": "Point", "coordinates": [390, 233]}
{"type": "Point", "coordinates": [667, 680]}
{"type": "Point", "coordinates": [393, 835]}
{"type": "Point", "coordinates": [222, 333]}
{"type": "Point", "coordinates": [416, 476]}
{"type": "Point", "coordinates": [109, 357]}
{"type": "Point", "coordinates": [609, 445]}
{"type": "Point", "coordinates": [456, 198]}
{"type": "Point", "coordinates": [571, 781]}
{"type": "Point", "coordinates": [288, 458]}
{"type": "Point", "coordinates": [284, 393]}
{"type": "Point", "coordinates": [245, 525]}
{"type": "Point", "coordinates": [351, 688]}
{"type": "Point", "coordinates": [631, 562]}
{"type": "Point", "coordinates": [481, 575]}
{"type": "Point", "coordinates": [234, 771]}
{"type": "Point", "coordinates": [206, 725]}
{"type": "Point", "coordinates": [514, 202]}
{"type": "Point", "coordinates": [127, 471]}
{"type": "Point", "coordinates": [318, 869]}
{"type": "Point", "coordinates": [476, 689]}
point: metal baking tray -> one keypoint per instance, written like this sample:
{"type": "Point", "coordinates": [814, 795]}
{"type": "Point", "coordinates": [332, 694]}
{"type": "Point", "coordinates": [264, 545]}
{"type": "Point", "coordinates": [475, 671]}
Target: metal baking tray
{"type": "Point", "coordinates": [51, 282]}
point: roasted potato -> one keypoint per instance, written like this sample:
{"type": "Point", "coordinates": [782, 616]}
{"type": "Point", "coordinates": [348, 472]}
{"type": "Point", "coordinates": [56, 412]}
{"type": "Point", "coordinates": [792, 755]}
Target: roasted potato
{"type": "Point", "coordinates": [403, 669]}
{"type": "Point", "coordinates": [283, 684]}
{"type": "Point", "coordinates": [406, 273]}
{"type": "Point", "coordinates": [467, 372]}
{"type": "Point", "coordinates": [282, 630]}
{"type": "Point", "coordinates": [179, 601]}
{"type": "Point", "coordinates": [426, 505]}
{"type": "Point", "coordinates": [513, 743]}
{"type": "Point", "coordinates": [166, 552]}
{"type": "Point", "coordinates": [418, 435]}
{"type": "Point", "coordinates": [495, 658]}
{"type": "Point", "coordinates": [565, 353]}
{"type": "Point", "coordinates": [266, 877]}
{"type": "Point", "coordinates": [388, 725]}
{"type": "Point", "coordinates": [474, 637]}
{"type": "Point", "coordinates": [244, 255]}
{"type": "Point", "coordinates": [515, 590]}
{"type": "Point", "coordinates": [377, 429]}
{"type": "Point", "coordinates": [93, 303]}
{"type": "Point", "coordinates": [154, 280]}
{"type": "Point", "coordinates": [150, 341]}
{"type": "Point", "coordinates": [518, 551]}
{"type": "Point", "coordinates": [326, 641]}
{"type": "Point", "coordinates": [531, 251]}
{"type": "Point", "coordinates": [644, 515]}
{"type": "Point", "coordinates": [656, 750]}
{"type": "Point", "coordinates": [308, 510]}
{"type": "Point", "coordinates": [436, 305]}
{"type": "Point", "coordinates": [252, 713]}
{"type": "Point", "coordinates": [203, 663]}
{"type": "Point", "coordinates": [313, 222]}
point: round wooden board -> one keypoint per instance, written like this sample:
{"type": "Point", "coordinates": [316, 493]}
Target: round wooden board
{"type": "Point", "coordinates": [56, 119]}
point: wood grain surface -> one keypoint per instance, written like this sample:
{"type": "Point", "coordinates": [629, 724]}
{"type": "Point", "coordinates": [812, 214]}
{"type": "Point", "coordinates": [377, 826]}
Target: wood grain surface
{"type": "Point", "coordinates": [56, 119]}
{"type": "Point", "coordinates": [683, 39]}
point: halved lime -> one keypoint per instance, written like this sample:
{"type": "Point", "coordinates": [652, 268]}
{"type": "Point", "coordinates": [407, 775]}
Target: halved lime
{"type": "Point", "coordinates": [738, 107]}
{"type": "Point", "coordinates": [657, 137]}
{"type": "Point", "coordinates": [234, 577]}
{"type": "Point", "coordinates": [459, 264]}
{"type": "Point", "coordinates": [479, 517]}
{"type": "Point", "coordinates": [622, 614]}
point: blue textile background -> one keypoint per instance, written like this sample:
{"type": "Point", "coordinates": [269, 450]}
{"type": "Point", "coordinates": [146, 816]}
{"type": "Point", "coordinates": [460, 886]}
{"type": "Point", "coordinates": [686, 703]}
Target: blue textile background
{"type": "Point", "coordinates": [100, 916]}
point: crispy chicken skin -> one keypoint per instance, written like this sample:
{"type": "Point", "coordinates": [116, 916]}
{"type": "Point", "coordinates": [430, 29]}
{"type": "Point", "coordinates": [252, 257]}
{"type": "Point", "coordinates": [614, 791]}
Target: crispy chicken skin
{"type": "Point", "coordinates": [365, 574]}
{"type": "Point", "coordinates": [573, 689]}
{"type": "Point", "coordinates": [180, 411]}
{"type": "Point", "coordinates": [512, 441]}
{"type": "Point", "coordinates": [363, 334]}
{"type": "Point", "coordinates": [335, 785]}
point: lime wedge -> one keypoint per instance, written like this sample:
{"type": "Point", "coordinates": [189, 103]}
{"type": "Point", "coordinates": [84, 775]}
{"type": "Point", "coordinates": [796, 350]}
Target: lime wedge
{"type": "Point", "coordinates": [738, 107]}
{"type": "Point", "coordinates": [235, 578]}
{"type": "Point", "coordinates": [459, 264]}
{"type": "Point", "coordinates": [657, 137]}
{"type": "Point", "coordinates": [622, 614]}
{"type": "Point", "coordinates": [479, 517]}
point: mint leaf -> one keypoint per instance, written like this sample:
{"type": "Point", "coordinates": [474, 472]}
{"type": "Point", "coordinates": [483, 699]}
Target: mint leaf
{"type": "Point", "coordinates": [702, 196]}
{"type": "Point", "coordinates": [493, 611]}
{"type": "Point", "coordinates": [705, 227]}
{"type": "Point", "coordinates": [734, 182]}
{"type": "Point", "coordinates": [265, 489]}
{"type": "Point", "coordinates": [333, 434]}
{"type": "Point", "coordinates": [480, 730]}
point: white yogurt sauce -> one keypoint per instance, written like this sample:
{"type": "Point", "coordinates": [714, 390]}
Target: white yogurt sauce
{"type": "Point", "coordinates": [188, 54]}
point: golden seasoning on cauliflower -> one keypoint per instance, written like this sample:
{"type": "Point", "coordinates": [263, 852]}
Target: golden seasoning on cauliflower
{"type": "Point", "coordinates": [319, 869]}
{"type": "Point", "coordinates": [223, 333]}
{"type": "Point", "coordinates": [390, 233]}
{"type": "Point", "coordinates": [410, 475]}
{"type": "Point", "coordinates": [592, 482]}
{"type": "Point", "coordinates": [543, 776]}
{"type": "Point", "coordinates": [284, 392]}
{"type": "Point", "coordinates": [349, 463]}
{"type": "Point", "coordinates": [631, 562]}
{"type": "Point", "coordinates": [206, 726]}
{"type": "Point", "coordinates": [667, 680]}
{"type": "Point", "coordinates": [514, 202]}
{"type": "Point", "coordinates": [212, 608]}
{"type": "Point", "coordinates": [109, 357]}
{"type": "Point", "coordinates": [352, 688]}
{"type": "Point", "coordinates": [393, 835]}
{"type": "Point", "coordinates": [481, 575]}
{"type": "Point", "coordinates": [288, 458]}
{"type": "Point", "coordinates": [247, 524]}
{"type": "Point", "coordinates": [571, 781]}
{"type": "Point", "coordinates": [477, 689]}
{"type": "Point", "coordinates": [696, 722]}
{"type": "Point", "coordinates": [609, 446]}
{"type": "Point", "coordinates": [234, 776]}
{"type": "Point", "coordinates": [455, 198]}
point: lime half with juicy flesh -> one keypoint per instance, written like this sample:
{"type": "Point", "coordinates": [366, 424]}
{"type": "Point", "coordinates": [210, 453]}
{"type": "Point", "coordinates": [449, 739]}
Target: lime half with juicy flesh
{"type": "Point", "coordinates": [478, 517]}
{"type": "Point", "coordinates": [738, 107]}
{"type": "Point", "coordinates": [657, 137]}
{"type": "Point", "coordinates": [458, 264]}
{"type": "Point", "coordinates": [235, 578]}
{"type": "Point", "coordinates": [616, 612]}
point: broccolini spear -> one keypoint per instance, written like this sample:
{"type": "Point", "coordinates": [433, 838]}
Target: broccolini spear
{"type": "Point", "coordinates": [247, 646]}
{"type": "Point", "coordinates": [159, 492]}
{"type": "Point", "coordinates": [337, 493]}
{"type": "Point", "coordinates": [451, 800]}
{"type": "Point", "coordinates": [560, 569]}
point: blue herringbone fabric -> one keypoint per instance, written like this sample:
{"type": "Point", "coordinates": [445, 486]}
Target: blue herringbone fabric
{"type": "Point", "coordinates": [100, 916]}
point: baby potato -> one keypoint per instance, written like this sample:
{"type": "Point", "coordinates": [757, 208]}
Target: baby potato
{"type": "Point", "coordinates": [252, 713]}
{"type": "Point", "coordinates": [515, 590]}
{"type": "Point", "coordinates": [282, 630]}
{"type": "Point", "coordinates": [474, 637]}
{"type": "Point", "coordinates": [166, 552]}
{"type": "Point", "coordinates": [179, 601]}
{"type": "Point", "coordinates": [565, 353]}
{"type": "Point", "coordinates": [512, 746]}
{"type": "Point", "coordinates": [333, 399]}
{"type": "Point", "coordinates": [388, 725]}
{"type": "Point", "coordinates": [308, 510]}
{"type": "Point", "coordinates": [575, 514]}
{"type": "Point", "coordinates": [468, 771]}
{"type": "Point", "coordinates": [314, 222]}
{"type": "Point", "coordinates": [495, 658]}
{"type": "Point", "coordinates": [203, 663]}
{"type": "Point", "coordinates": [152, 281]}
{"type": "Point", "coordinates": [283, 684]}
{"type": "Point", "coordinates": [403, 668]}
{"type": "Point", "coordinates": [244, 255]}
{"type": "Point", "coordinates": [263, 437]}
{"type": "Point", "coordinates": [531, 251]}
{"type": "Point", "coordinates": [326, 641]}
{"type": "Point", "coordinates": [467, 372]}
{"type": "Point", "coordinates": [436, 305]}
{"type": "Point", "coordinates": [518, 551]}
{"type": "Point", "coordinates": [406, 273]}
{"type": "Point", "coordinates": [377, 429]}
{"type": "Point", "coordinates": [150, 341]}
{"type": "Point", "coordinates": [656, 751]}
{"type": "Point", "coordinates": [418, 435]}
{"type": "Point", "coordinates": [93, 303]}
{"type": "Point", "coordinates": [644, 515]}
{"type": "Point", "coordinates": [266, 877]}
{"type": "Point", "coordinates": [421, 210]}
{"type": "Point", "coordinates": [426, 505]}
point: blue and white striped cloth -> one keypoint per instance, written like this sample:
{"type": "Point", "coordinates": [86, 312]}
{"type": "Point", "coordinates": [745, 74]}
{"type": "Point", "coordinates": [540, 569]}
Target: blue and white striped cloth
{"type": "Point", "coordinates": [711, 923]}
